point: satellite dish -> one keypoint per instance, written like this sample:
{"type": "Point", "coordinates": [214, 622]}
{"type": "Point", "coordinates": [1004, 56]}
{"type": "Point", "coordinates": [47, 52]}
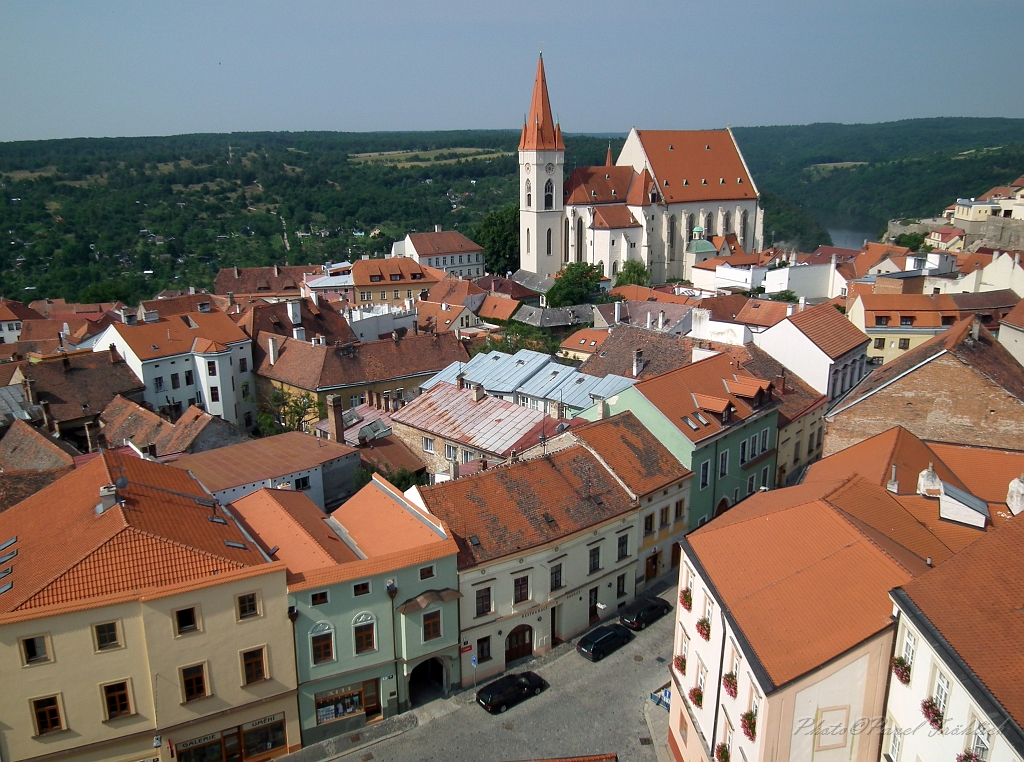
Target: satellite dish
{"type": "Point", "coordinates": [122, 482]}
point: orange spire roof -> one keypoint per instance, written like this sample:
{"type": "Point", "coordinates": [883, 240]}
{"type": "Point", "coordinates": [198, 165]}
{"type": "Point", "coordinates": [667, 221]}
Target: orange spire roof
{"type": "Point", "coordinates": [540, 133]}
{"type": "Point", "coordinates": [608, 159]}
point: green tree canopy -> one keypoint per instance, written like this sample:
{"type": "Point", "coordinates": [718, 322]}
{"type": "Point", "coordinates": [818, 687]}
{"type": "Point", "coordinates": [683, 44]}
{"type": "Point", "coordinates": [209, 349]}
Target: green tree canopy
{"type": "Point", "coordinates": [578, 284]}
{"type": "Point", "coordinates": [633, 274]}
{"type": "Point", "coordinates": [284, 411]}
{"type": "Point", "coordinates": [498, 233]}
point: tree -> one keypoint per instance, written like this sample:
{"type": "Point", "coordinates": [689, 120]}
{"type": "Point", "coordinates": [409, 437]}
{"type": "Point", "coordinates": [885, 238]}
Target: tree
{"type": "Point", "coordinates": [633, 274]}
{"type": "Point", "coordinates": [284, 411]}
{"type": "Point", "coordinates": [912, 241]}
{"type": "Point", "coordinates": [401, 479]}
{"type": "Point", "coordinates": [577, 284]}
{"type": "Point", "coordinates": [498, 233]}
{"type": "Point", "coordinates": [784, 296]}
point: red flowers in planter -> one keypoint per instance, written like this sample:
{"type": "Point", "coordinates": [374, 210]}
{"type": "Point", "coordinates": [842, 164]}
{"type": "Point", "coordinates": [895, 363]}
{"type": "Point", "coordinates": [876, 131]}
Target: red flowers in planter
{"type": "Point", "coordinates": [696, 696]}
{"type": "Point", "coordinates": [704, 628]}
{"type": "Point", "coordinates": [686, 599]}
{"type": "Point", "coordinates": [968, 756]}
{"type": "Point", "coordinates": [679, 662]}
{"type": "Point", "coordinates": [729, 683]}
{"type": "Point", "coordinates": [901, 669]}
{"type": "Point", "coordinates": [748, 724]}
{"type": "Point", "coordinates": [722, 753]}
{"type": "Point", "coordinates": [932, 713]}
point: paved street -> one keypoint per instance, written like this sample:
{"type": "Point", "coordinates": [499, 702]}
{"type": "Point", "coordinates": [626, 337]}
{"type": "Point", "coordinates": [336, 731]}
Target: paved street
{"type": "Point", "coordinates": [589, 709]}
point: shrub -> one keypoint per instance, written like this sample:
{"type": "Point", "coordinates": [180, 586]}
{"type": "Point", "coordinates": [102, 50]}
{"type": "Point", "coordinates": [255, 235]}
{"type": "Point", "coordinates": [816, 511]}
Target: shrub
{"type": "Point", "coordinates": [901, 669]}
{"type": "Point", "coordinates": [704, 628]}
{"type": "Point", "coordinates": [729, 683]}
{"type": "Point", "coordinates": [696, 696]}
{"type": "Point", "coordinates": [748, 723]}
{"type": "Point", "coordinates": [679, 662]}
{"type": "Point", "coordinates": [722, 753]}
{"type": "Point", "coordinates": [932, 713]}
{"type": "Point", "coordinates": [686, 599]}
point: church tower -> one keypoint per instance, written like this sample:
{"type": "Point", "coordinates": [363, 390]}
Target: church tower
{"type": "Point", "coordinates": [541, 169]}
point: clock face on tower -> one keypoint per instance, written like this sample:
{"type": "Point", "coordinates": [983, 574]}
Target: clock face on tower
{"type": "Point", "coordinates": [527, 169]}
{"type": "Point", "coordinates": [549, 168]}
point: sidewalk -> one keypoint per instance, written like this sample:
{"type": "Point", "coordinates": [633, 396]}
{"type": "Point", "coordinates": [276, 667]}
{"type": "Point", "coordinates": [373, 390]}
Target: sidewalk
{"type": "Point", "coordinates": [333, 748]}
{"type": "Point", "coordinates": [657, 725]}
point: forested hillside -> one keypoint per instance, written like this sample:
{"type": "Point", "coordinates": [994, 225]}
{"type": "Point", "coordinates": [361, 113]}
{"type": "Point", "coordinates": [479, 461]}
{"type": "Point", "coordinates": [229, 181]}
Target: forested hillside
{"type": "Point", "coordinates": [98, 219]}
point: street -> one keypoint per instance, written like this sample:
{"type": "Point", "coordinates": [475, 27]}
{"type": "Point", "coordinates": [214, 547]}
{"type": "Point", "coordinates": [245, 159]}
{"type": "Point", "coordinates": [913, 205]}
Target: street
{"type": "Point", "coordinates": [589, 709]}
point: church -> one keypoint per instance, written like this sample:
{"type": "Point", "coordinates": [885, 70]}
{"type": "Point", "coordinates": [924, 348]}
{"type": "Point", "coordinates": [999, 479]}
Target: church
{"type": "Point", "coordinates": [670, 200]}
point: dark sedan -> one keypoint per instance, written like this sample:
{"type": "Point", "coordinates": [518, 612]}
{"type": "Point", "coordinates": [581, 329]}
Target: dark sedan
{"type": "Point", "coordinates": [643, 612]}
{"type": "Point", "coordinates": [603, 640]}
{"type": "Point", "coordinates": [509, 690]}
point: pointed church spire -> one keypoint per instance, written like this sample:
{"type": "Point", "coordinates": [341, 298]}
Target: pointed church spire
{"type": "Point", "coordinates": [541, 133]}
{"type": "Point", "coordinates": [608, 159]}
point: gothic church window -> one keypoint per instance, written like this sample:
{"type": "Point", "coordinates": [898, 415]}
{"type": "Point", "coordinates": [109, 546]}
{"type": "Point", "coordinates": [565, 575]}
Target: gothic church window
{"type": "Point", "coordinates": [549, 242]}
{"type": "Point", "coordinates": [529, 197]}
{"type": "Point", "coordinates": [549, 195]}
{"type": "Point", "coordinates": [565, 243]}
{"type": "Point", "coordinates": [725, 224]}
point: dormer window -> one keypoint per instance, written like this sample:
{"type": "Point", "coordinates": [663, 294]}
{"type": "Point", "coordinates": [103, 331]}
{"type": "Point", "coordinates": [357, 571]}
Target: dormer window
{"type": "Point", "coordinates": [375, 278]}
{"type": "Point", "coordinates": [396, 277]}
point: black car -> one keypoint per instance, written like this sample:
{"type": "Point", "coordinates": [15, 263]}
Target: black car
{"type": "Point", "coordinates": [603, 640]}
{"type": "Point", "coordinates": [509, 690]}
{"type": "Point", "coordinates": [643, 611]}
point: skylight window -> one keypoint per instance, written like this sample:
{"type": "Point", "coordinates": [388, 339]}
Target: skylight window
{"type": "Point", "coordinates": [701, 418]}
{"type": "Point", "coordinates": [690, 423]}
{"type": "Point", "coordinates": [474, 540]}
{"type": "Point", "coordinates": [217, 519]}
{"type": "Point", "coordinates": [9, 543]}
{"type": "Point", "coordinates": [6, 587]}
{"type": "Point", "coordinates": [8, 556]}
{"type": "Point", "coordinates": [233, 544]}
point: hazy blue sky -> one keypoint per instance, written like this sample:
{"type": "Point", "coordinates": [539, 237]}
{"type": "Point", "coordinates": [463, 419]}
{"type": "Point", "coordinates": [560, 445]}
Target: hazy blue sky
{"type": "Point", "coordinates": [100, 68]}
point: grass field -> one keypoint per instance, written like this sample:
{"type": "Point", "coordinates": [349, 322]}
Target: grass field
{"type": "Point", "coordinates": [424, 158]}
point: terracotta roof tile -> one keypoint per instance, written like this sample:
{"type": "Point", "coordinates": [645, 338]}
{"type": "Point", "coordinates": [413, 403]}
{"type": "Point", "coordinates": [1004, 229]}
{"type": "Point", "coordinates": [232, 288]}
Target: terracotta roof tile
{"type": "Point", "coordinates": [162, 534]}
{"type": "Point", "coordinates": [540, 133]}
{"type": "Point", "coordinates": [697, 165]}
{"type": "Point", "coordinates": [380, 520]}
{"type": "Point", "coordinates": [762, 312]}
{"type": "Point", "coordinates": [505, 287]}
{"type": "Point", "coordinates": [974, 600]}
{"type": "Point", "coordinates": [178, 305]}
{"type": "Point", "coordinates": [394, 272]}
{"type": "Point", "coordinates": [829, 330]}
{"type": "Point", "coordinates": [585, 340]}
{"type": "Point", "coordinates": [12, 310]}
{"type": "Point", "coordinates": [179, 334]}
{"type": "Point", "coordinates": [124, 419]}
{"type": "Point", "coordinates": [803, 581]}
{"type": "Point", "coordinates": [614, 217]}
{"type": "Point", "coordinates": [316, 320]}
{"type": "Point", "coordinates": [16, 486]}
{"type": "Point", "coordinates": [497, 308]}
{"type": "Point", "coordinates": [326, 367]}
{"type": "Point", "coordinates": [438, 317]}
{"type": "Point", "coordinates": [281, 280]}
{"type": "Point", "coordinates": [445, 242]}
{"type": "Point", "coordinates": [636, 456]}
{"type": "Point", "coordinates": [601, 185]}
{"type": "Point", "coordinates": [79, 329]}
{"type": "Point", "coordinates": [26, 448]}
{"type": "Point", "coordinates": [259, 459]}
{"type": "Point", "coordinates": [500, 512]}
{"type": "Point", "coordinates": [453, 291]}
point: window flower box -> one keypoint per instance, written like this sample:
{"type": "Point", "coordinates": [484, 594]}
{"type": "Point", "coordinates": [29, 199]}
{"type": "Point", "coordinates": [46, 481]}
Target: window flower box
{"type": "Point", "coordinates": [748, 724]}
{"type": "Point", "coordinates": [722, 753]}
{"type": "Point", "coordinates": [729, 683]}
{"type": "Point", "coordinates": [932, 713]}
{"type": "Point", "coordinates": [704, 628]}
{"type": "Point", "coordinates": [686, 599]}
{"type": "Point", "coordinates": [696, 696]}
{"type": "Point", "coordinates": [679, 662]}
{"type": "Point", "coordinates": [968, 756]}
{"type": "Point", "coordinates": [901, 669]}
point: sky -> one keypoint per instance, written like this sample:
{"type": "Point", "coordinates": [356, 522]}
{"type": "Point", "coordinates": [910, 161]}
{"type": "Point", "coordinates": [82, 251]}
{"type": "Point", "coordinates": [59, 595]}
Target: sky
{"type": "Point", "coordinates": [110, 68]}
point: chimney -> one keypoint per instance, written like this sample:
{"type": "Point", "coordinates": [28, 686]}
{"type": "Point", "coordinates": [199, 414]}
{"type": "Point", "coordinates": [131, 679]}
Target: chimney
{"type": "Point", "coordinates": [272, 349]}
{"type": "Point", "coordinates": [47, 418]}
{"type": "Point", "coordinates": [650, 320]}
{"type": "Point", "coordinates": [108, 497]}
{"type": "Point", "coordinates": [893, 486]}
{"type": "Point", "coordinates": [1015, 495]}
{"type": "Point", "coordinates": [415, 328]}
{"type": "Point", "coordinates": [88, 437]}
{"type": "Point", "coordinates": [114, 356]}
{"type": "Point", "coordinates": [975, 328]}
{"type": "Point", "coordinates": [453, 469]}
{"type": "Point", "coordinates": [602, 408]}
{"type": "Point", "coordinates": [298, 332]}
{"type": "Point", "coordinates": [618, 312]}
{"type": "Point", "coordinates": [437, 228]}
{"type": "Point", "coordinates": [394, 335]}
{"type": "Point", "coordinates": [335, 425]}
{"type": "Point", "coordinates": [30, 391]}
{"type": "Point", "coordinates": [294, 312]}
{"type": "Point", "coordinates": [803, 303]}
{"type": "Point", "coordinates": [65, 363]}
{"type": "Point", "coordinates": [661, 320]}
{"type": "Point", "coordinates": [483, 464]}
{"type": "Point", "coordinates": [478, 392]}
{"type": "Point", "coordinates": [236, 272]}
{"type": "Point", "coordinates": [191, 290]}
{"type": "Point", "coordinates": [555, 410]}
{"type": "Point", "coordinates": [638, 360]}
{"type": "Point", "coordinates": [789, 309]}
{"type": "Point", "coordinates": [835, 259]}
{"type": "Point", "coordinates": [460, 380]}
{"type": "Point", "coordinates": [277, 271]}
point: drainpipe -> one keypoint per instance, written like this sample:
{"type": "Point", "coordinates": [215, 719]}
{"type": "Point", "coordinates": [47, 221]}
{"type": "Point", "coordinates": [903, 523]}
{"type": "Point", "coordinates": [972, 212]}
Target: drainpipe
{"type": "Point", "coordinates": [718, 690]}
{"type": "Point", "coordinates": [392, 592]}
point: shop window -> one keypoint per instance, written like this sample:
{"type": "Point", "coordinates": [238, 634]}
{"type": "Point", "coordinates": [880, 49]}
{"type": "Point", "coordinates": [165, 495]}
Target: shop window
{"type": "Point", "coordinates": [338, 704]}
{"type": "Point", "coordinates": [483, 649]}
{"type": "Point", "coordinates": [264, 738]}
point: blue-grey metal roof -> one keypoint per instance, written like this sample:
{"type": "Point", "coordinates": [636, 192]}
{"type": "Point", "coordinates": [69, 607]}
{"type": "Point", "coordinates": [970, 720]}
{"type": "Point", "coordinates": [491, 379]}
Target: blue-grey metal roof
{"type": "Point", "coordinates": [966, 498]}
{"type": "Point", "coordinates": [567, 385]}
{"type": "Point", "coordinates": [13, 405]}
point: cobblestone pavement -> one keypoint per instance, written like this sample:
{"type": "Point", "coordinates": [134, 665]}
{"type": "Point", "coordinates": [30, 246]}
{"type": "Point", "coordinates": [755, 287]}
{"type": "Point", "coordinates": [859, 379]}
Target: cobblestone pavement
{"type": "Point", "coordinates": [589, 709]}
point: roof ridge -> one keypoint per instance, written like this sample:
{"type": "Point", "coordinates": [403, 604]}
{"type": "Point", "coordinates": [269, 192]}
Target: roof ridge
{"type": "Point", "coordinates": [267, 492]}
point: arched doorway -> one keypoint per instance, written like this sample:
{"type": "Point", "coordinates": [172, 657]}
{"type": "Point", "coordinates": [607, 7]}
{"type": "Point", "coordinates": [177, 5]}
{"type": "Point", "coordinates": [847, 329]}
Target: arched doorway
{"type": "Point", "coordinates": [723, 506]}
{"type": "Point", "coordinates": [519, 643]}
{"type": "Point", "coordinates": [427, 682]}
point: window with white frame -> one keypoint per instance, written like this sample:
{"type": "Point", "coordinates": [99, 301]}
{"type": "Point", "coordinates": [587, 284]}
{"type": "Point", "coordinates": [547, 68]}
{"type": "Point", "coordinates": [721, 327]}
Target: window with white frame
{"type": "Point", "coordinates": [428, 444]}
{"type": "Point", "coordinates": [451, 452]}
{"type": "Point", "coordinates": [709, 607]}
{"type": "Point", "coordinates": [702, 676]}
{"type": "Point", "coordinates": [705, 474]}
{"type": "Point", "coordinates": [723, 463]}
{"type": "Point", "coordinates": [981, 740]}
{"type": "Point", "coordinates": [764, 440]}
{"type": "Point", "coordinates": [743, 451]}
{"type": "Point", "coordinates": [909, 647]}
{"type": "Point", "coordinates": [895, 740]}
{"type": "Point", "coordinates": [941, 692]}
{"type": "Point", "coordinates": [753, 446]}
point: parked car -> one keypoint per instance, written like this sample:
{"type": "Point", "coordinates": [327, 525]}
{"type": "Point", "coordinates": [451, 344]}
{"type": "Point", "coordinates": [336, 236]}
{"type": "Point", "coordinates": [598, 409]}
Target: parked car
{"type": "Point", "coordinates": [509, 690]}
{"type": "Point", "coordinates": [643, 612]}
{"type": "Point", "coordinates": [603, 640]}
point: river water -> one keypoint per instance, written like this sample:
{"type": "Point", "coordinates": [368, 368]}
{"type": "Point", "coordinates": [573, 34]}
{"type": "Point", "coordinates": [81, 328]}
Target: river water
{"type": "Point", "coordinates": [849, 238]}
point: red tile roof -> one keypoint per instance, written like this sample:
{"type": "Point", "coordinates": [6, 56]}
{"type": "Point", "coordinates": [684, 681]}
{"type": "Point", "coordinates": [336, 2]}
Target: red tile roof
{"type": "Point", "coordinates": [26, 448]}
{"type": "Point", "coordinates": [439, 317]}
{"type": "Point", "coordinates": [79, 329]}
{"type": "Point", "coordinates": [636, 456]}
{"type": "Point", "coordinates": [974, 601]}
{"type": "Point", "coordinates": [802, 579]}
{"type": "Point", "coordinates": [394, 272]}
{"type": "Point", "coordinates": [497, 308]}
{"type": "Point", "coordinates": [260, 459]}
{"type": "Point", "coordinates": [540, 133]}
{"type": "Point", "coordinates": [1015, 317]}
{"type": "Point", "coordinates": [697, 165]}
{"type": "Point", "coordinates": [179, 334]}
{"type": "Point", "coordinates": [453, 291]}
{"type": "Point", "coordinates": [16, 486]}
{"type": "Point", "coordinates": [614, 217]}
{"type": "Point", "coordinates": [635, 293]}
{"type": "Point", "coordinates": [505, 287]}
{"type": "Point", "coordinates": [501, 511]}
{"type": "Point", "coordinates": [762, 312]}
{"type": "Point", "coordinates": [124, 420]}
{"type": "Point", "coordinates": [12, 310]}
{"type": "Point", "coordinates": [316, 320]}
{"type": "Point", "coordinates": [445, 242]}
{"type": "Point", "coordinates": [585, 340]}
{"type": "Point", "coordinates": [605, 185]}
{"type": "Point", "coordinates": [324, 367]}
{"type": "Point", "coordinates": [829, 330]}
{"type": "Point", "coordinates": [279, 280]}
{"type": "Point", "coordinates": [161, 535]}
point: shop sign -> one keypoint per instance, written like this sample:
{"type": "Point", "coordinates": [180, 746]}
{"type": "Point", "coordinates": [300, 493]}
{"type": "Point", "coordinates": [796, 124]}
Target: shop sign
{"type": "Point", "coordinates": [265, 721]}
{"type": "Point", "coordinates": [197, 741]}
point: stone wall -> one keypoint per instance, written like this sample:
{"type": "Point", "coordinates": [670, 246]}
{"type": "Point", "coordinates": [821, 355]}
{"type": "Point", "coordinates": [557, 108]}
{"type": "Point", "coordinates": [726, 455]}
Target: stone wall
{"type": "Point", "coordinates": [944, 400]}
